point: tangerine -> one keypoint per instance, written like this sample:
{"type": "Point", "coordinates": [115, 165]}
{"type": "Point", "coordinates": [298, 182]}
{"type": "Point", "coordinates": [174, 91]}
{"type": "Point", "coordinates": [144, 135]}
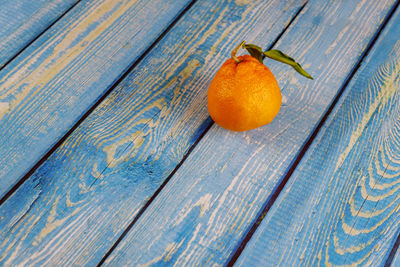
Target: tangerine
{"type": "Point", "coordinates": [243, 94]}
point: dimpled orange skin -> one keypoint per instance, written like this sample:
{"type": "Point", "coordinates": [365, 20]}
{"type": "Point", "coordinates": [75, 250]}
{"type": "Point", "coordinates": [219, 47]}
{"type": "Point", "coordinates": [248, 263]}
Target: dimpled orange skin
{"type": "Point", "coordinates": [243, 96]}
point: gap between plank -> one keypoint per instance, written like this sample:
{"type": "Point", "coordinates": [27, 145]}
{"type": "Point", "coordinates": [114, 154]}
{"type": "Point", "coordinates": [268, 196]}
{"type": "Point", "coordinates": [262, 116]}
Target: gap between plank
{"type": "Point", "coordinates": [192, 147]}
{"type": "Point", "coordinates": [143, 209]}
{"type": "Point", "coordinates": [392, 253]}
{"type": "Point", "coordinates": [94, 106]}
{"type": "Point", "coordinates": [23, 179]}
{"type": "Point", "coordinates": [278, 189]}
{"type": "Point", "coordinates": [38, 36]}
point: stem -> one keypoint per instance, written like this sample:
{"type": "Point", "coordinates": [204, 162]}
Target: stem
{"type": "Point", "coordinates": [234, 51]}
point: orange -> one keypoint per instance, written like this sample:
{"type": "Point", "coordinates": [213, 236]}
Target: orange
{"type": "Point", "coordinates": [243, 96]}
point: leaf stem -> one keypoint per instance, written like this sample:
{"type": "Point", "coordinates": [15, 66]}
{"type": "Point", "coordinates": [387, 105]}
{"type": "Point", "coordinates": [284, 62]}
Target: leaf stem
{"type": "Point", "coordinates": [234, 51]}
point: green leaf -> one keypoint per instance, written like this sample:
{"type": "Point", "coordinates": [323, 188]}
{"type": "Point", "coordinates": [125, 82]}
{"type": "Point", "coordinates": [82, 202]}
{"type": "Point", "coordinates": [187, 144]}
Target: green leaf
{"type": "Point", "coordinates": [257, 52]}
{"type": "Point", "coordinates": [254, 51]}
{"type": "Point", "coordinates": [281, 57]}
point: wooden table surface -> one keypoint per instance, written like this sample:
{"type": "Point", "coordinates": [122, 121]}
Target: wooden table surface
{"type": "Point", "coordinates": [109, 156]}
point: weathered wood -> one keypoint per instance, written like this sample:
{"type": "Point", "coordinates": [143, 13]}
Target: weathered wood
{"type": "Point", "coordinates": [23, 20]}
{"type": "Point", "coordinates": [48, 87]}
{"type": "Point", "coordinates": [204, 211]}
{"type": "Point", "coordinates": [341, 205]}
{"type": "Point", "coordinates": [77, 204]}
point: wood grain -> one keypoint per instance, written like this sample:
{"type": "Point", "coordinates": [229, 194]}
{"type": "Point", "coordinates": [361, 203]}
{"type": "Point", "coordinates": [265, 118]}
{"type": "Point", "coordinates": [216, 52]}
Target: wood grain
{"type": "Point", "coordinates": [78, 203]}
{"type": "Point", "coordinates": [202, 214]}
{"type": "Point", "coordinates": [22, 20]}
{"type": "Point", "coordinates": [341, 205]}
{"type": "Point", "coordinates": [48, 87]}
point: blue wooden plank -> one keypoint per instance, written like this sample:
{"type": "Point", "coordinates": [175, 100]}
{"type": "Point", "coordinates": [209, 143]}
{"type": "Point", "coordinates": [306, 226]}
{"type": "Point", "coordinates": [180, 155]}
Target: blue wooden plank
{"type": "Point", "coordinates": [47, 88]}
{"type": "Point", "coordinates": [204, 211]}
{"type": "Point", "coordinates": [341, 205]}
{"type": "Point", "coordinates": [77, 204]}
{"type": "Point", "coordinates": [22, 20]}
